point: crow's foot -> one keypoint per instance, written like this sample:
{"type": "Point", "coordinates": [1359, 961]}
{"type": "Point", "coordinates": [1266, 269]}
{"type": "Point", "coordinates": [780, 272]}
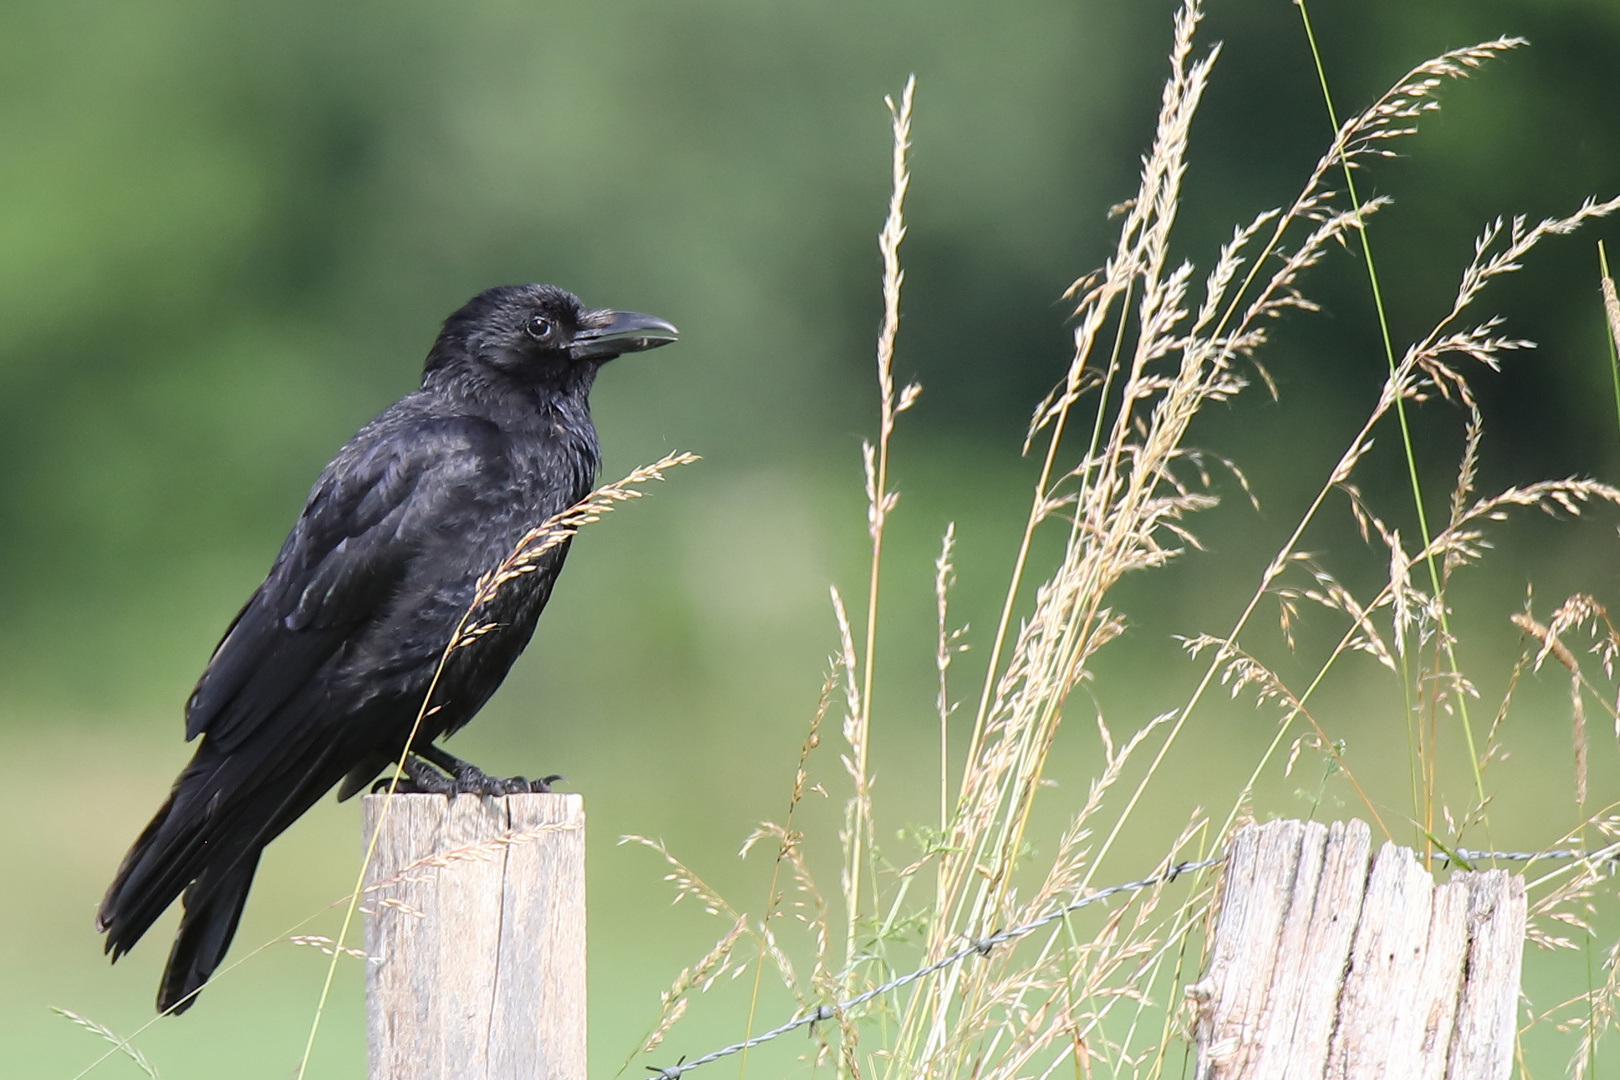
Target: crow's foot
{"type": "Point", "coordinates": [421, 778]}
{"type": "Point", "coordinates": [465, 778]}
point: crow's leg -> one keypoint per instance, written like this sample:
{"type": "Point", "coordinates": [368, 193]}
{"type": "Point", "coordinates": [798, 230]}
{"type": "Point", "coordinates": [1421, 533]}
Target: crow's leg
{"type": "Point", "coordinates": [469, 778]}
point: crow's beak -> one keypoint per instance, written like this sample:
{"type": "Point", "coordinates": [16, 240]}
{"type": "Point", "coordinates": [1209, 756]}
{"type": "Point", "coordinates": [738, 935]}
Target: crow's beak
{"type": "Point", "coordinates": [607, 334]}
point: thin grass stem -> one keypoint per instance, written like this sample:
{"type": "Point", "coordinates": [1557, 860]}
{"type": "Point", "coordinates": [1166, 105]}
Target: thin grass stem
{"type": "Point", "coordinates": [1406, 433]}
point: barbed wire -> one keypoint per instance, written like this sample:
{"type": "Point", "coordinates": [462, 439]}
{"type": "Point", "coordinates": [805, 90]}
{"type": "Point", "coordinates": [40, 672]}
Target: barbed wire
{"type": "Point", "coordinates": [1609, 854]}
{"type": "Point", "coordinates": [976, 946]}
{"type": "Point", "coordinates": [982, 946]}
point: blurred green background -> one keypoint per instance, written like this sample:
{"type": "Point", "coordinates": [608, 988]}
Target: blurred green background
{"type": "Point", "coordinates": [228, 232]}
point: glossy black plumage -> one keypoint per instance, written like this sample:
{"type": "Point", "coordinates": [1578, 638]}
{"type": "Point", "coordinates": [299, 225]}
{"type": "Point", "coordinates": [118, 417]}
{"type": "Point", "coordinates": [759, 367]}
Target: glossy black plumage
{"type": "Point", "coordinates": [322, 673]}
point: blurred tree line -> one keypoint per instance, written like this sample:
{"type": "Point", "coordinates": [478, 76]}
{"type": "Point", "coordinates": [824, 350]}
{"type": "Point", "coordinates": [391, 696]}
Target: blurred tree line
{"type": "Point", "coordinates": [227, 232]}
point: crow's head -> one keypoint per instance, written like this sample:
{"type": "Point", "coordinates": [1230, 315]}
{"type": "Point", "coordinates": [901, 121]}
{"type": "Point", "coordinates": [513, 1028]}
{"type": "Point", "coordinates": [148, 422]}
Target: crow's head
{"type": "Point", "coordinates": [541, 334]}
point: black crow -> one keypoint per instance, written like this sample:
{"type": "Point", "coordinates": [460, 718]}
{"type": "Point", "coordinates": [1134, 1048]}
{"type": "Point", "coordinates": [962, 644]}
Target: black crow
{"type": "Point", "coordinates": [321, 675]}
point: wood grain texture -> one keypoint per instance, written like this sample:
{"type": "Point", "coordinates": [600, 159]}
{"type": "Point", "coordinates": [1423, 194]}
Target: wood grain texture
{"type": "Point", "coordinates": [1485, 1027]}
{"type": "Point", "coordinates": [1325, 965]}
{"type": "Point", "coordinates": [475, 930]}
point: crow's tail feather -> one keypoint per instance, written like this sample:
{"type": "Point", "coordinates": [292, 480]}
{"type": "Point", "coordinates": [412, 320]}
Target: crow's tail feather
{"type": "Point", "coordinates": [205, 842]}
{"type": "Point", "coordinates": [214, 905]}
{"type": "Point", "coordinates": [163, 861]}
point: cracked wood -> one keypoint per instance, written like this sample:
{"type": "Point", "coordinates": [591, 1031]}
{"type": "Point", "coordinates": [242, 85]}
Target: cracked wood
{"type": "Point", "coordinates": [1328, 962]}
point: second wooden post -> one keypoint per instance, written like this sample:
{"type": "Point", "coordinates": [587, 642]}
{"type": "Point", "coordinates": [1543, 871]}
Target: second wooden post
{"type": "Point", "coordinates": [1330, 961]}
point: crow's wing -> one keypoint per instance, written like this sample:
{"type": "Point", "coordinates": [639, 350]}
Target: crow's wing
{"type": "Point", "coordinates": [368, 516]}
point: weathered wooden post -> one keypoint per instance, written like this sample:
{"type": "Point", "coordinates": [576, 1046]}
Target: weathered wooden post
{"type": "Point", "coordinates": [1324, 964]}
{"type": "Point", "coordinates": [475, 934]}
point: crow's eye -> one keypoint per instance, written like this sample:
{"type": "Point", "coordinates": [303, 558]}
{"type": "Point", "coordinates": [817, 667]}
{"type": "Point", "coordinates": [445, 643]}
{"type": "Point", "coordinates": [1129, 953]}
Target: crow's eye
{"type": "Point", "coordinates": [539, 328]}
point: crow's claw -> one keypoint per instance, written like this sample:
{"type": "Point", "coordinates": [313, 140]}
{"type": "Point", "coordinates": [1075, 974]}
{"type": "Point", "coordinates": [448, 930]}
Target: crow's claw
{"type": "Point", "coordinates": [471, 781]}
{"type": "Point", "coordinates": [521, 785]}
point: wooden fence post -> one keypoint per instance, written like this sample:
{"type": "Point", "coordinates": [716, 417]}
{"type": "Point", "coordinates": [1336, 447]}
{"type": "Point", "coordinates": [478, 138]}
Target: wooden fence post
{"type": "Point", "coordinates": [475, 938]}
{"type": "Point", "coordinates": [1326, 965]}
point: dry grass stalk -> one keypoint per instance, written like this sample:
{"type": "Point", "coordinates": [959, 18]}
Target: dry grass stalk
{"type": "Point", "coordinates": [325, 945]}
{"type": "Point", "coordinates": [482, 851]}
{"type": "Point", "coordinates": [120, 1044]}
{"type": "Point", "coordinates": [947, 643]}
{"type": "Point", "coordinates": [701, 976]}
{"type": "Point", "coordinates": [788, 852]}
{"type": "Point", "coordinates": [1580, 613]}
{"type": "Point", "coordinates": [554, 531]}
{"type": "Point", "coordinates": [686, 881]}
{"type": "Point", "coordinates": [879, 502]}
{"type": "Point", "coordinates": [1611, 309]}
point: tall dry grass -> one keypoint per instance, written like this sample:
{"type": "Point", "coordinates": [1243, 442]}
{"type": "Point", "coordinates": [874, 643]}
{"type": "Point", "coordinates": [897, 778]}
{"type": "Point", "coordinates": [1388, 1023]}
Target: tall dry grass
{"type": "Point", "coordinates": [1118, 484]}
